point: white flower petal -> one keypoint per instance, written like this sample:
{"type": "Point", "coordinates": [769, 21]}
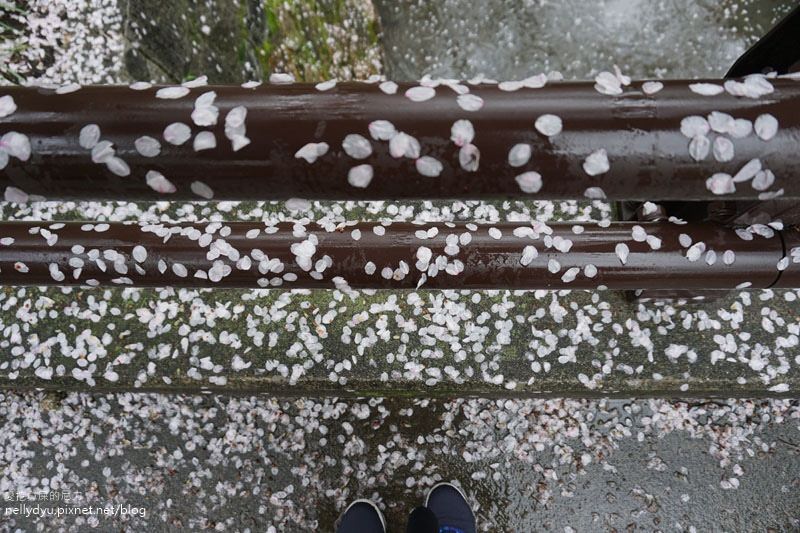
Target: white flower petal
{"type": "Point", "coordinates": [404, 145]}
{"type": "Point", "coordinates": [753, 86]}
{"type": "Point", "coordinates": [118, 166]}
{"type": "Point", "coordinates": [428, 166]}
{"type": "Point", "coordinates": [720, 122]}
{"type": "Point", "coordinates": [549, 125]}
{"type": "Point", "coordinates": [529, 253]}
{"type": "Point", "coordinates": [325, 85]}
{"type": "Point", "coordinates": [202, 190]}
{"type": "Point", "coordinates": [694, 125]}
{"type": "Point", "coordinates": [622, 252]}
{"type": "Point", "coordinates": [536, 81]}
{"type": "Point", "coordinates": [89, 136]}
{"type": "Point", "coordinates": [510, 85]}
{"type": "Point", "coordinates": [204, 140]}
{"type": "Point", "coordinates": [147, 146]}
{"type": "Point", "coordinates": [200, 81]}
{"type": "Point", "coordinates": [699, 147]}
{"type": "Point", "coordinates": [470, 102]}
{"type": "Point", "coordinates": [766, 126]}
{"type": "Point", "coordinates": [519, 155]}
{"type": "Point", "coordinates": [462, 132]}
{"type": "Point", "coordinates": [139, 253]}
{"type": "Point", "coordinates": [723, 149]}
{"type": "Point", "coordinates": [156, 181]}
{"type": "Point", "coordinates": [235, 127]}
{"type": "Point", "coordinates": [360, 176]}
{"type": "Point", "coordinates": [172, 93]}
{"type": "Point", "coordinates": [382, 130]}
{"type": "Point", "coordinates": [763, 180]}
{"type": "Point", "coordinates": [17, 145]}
{"type": "Point", "coordinates": [594, 193]}
{"type": "Point", "coordinates": [741, 128]}
{"type": "Point", "coordinates": [652, 87]}
{"type": "Point", "coordinates": [529, 182]}
{"type": "Point", "coordinates": [388, 87]}
{"type": "Point", "coordinates": [748, 171]}
{"type": "Point", "coordinates": [570, 274]}
{"type": "Point", "coordinates": [357, 146]}
{"type": "Point", "coordinates": [469, 157]}
{"type": "Point", "coordinates": [721, 183]}
{"type": "Point", "coordinates": [7, 105]}
{"type": "Point", "coordinates": [68, 88]}
{"type": "Point", "coordinates": [177, 133]}
{"type": "Point", "coordinates": [608, 83]}
{"type": "Point", "coordinates": [311, 151]}
{"type": "Point", "coordinates": [420, 94]}
{"type": "Point", "coordinates": [596, 163]}
{"type": "Point", "coordinates": [706, 89]}
{"type": "Point", "coordinates": [281, 78]}
{"type": "Point", "coordinates": [13, 194]}
{"type": "Point", "coordinates": [103, 151]}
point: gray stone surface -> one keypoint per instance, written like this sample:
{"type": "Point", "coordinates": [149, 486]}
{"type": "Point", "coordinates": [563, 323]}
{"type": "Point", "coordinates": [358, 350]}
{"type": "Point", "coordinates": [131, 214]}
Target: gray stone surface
{"type": "Point", "coordinates": [252, 463]}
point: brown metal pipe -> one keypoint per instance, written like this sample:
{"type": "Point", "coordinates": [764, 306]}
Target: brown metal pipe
{"type": "Point", "coordinates": [468, 256]}
{"type": "Point", "coordinates": [648, 156]}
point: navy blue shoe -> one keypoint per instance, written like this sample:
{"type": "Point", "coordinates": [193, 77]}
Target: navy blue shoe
{"type": "Point", "coordinates": [361, 516]}
{"type": "Point", "coordinates": [451, 509]}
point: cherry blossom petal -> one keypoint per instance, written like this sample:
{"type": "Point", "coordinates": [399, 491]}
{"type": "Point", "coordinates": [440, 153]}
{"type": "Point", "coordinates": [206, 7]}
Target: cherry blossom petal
{"type": "Point", "coordinates": [721, 183]}
{"type": "Point", "coordinates": [694, 125]}
{"type": "Point", "coordinates": [357, 146]}
{"type": "Point", "coordinates": [699, 147]}
{"type": "Point", "coordinates": [204, 140]}
{"type": "Point", "coordinates": [281, 78]}
{"type": "Point", "coordinates": [549, 125]}
{"type": "Point", "coordinates": [469, 157]}
{"type": "Point", "coordinates": [7, 105]}
{"type": "Point", "coordinates": [470, 102]}
{"type": "Point", "coordinates": [429, 166]}
{"type": "Point", "coordinates": [172, 93]}
{"type": "Point", "coordinates": [519, 155]}
{"type": "Point", "coordinates": [156, 181]}
{"type": "Point", "coordinates": [388, 87]}
{"type": "Point", "coordinates": [596, 163]}
{"type": "Point", "coordinates": [706, 89]}
{"type": "Point", "coordinates": [147, 146]}
{"type": "Point", "coordinates": [201, 189]}
{"type": "Point", "coordinates": [17, 145]}
{"type": "Point", "coordinates": [420, 94]}
{"type": "Point", "coordinates": [177, 133]}
{"type": "Point", "coordinates": [360, 176]}
{"type": "Point", "coordinates": [652, 87]}
{"type": "Point", "coordinates": [15, 195]}
{"type": "Point", "coordinates": [766, 126]}
{"type": "Point", "coordinates": [89, 136]}
{"type": "Point", "coordinates": [529, 182]}
{"type": "Point", "coordinates": [382, 130]}
{"type": "Point", "coordinates": [462, 132]}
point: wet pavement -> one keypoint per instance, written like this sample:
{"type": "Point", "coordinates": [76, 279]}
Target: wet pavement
{"type": "Point", "coordinates": [253, 464]}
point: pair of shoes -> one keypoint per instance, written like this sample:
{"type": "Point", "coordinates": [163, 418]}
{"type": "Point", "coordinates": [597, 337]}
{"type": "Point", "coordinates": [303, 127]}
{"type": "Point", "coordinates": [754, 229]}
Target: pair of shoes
{"type": "Point", "coordinates": [449, 505]}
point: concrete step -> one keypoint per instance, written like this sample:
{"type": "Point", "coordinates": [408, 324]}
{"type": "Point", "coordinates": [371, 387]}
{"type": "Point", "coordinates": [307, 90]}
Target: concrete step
{"type": "Point", "coordinates": [440, 343]}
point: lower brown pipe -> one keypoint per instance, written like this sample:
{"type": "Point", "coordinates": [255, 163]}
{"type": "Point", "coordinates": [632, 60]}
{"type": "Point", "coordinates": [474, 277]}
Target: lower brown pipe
{"type": "Point", "coordinates": [520, 255]}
